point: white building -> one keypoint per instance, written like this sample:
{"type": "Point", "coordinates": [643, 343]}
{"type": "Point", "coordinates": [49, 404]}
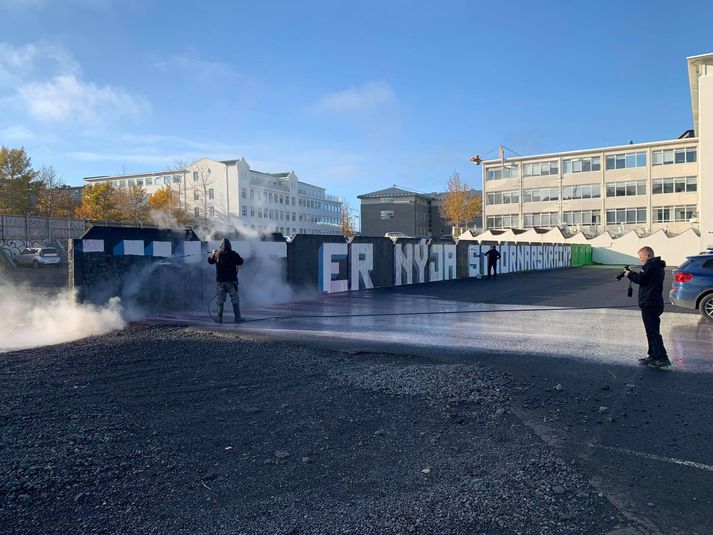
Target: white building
{"type": "Point", "coordinates": [230, 192]}
{"type": "Point", "coordinates": [644, 186]}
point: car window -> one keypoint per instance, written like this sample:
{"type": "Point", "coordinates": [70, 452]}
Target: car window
{"type": "Point", "coordinates": [708, 264]}
{"type": "Point", "coordinates": [685, 264]}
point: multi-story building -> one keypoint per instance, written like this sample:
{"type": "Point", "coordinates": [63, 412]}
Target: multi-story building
{"type": "Point", "coordinates": [231, 193]}
{"type": "Point", "coordinates": [639, 186]}
{"type": "Point", "coordinates": [399, 210]}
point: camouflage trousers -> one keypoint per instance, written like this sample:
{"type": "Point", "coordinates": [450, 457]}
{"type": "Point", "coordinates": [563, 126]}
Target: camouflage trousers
{"type": "Point", "coordinates": [230, 288]}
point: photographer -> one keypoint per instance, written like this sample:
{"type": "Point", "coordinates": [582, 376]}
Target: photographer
{"type": "Point", "coordinates": [650, 281]}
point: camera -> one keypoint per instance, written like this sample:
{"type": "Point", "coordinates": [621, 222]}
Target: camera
{"type": "Point", "coordinates": [622, 274]}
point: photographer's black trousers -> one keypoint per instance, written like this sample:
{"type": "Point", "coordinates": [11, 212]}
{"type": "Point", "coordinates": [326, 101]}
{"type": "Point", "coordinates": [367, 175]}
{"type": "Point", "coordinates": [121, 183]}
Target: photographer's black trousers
{"type": "Point", "coordinates": [651, 314]}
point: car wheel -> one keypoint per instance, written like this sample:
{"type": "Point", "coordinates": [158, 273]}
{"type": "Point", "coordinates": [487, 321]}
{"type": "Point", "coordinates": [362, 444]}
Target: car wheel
{"type": "Point", "coordinates": [706, 307]}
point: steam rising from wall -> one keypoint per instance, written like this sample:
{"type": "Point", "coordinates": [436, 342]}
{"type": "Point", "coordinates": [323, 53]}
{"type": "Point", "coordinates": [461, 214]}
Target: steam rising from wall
{"type": "Point", "coordinates": [32, 319]}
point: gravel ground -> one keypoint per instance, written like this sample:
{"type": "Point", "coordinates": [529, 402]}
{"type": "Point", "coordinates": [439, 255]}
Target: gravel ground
{"type": "Point", "coordinates": [174, 430]}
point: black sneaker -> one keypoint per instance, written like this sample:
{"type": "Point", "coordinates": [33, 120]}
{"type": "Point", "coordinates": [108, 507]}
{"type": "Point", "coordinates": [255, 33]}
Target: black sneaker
{"type": "Point", "coordinates": [647, 360]}
{"type": "Point", "coordinates": [660, 363]}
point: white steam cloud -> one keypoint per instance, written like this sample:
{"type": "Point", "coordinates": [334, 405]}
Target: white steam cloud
{"type": "Point", "coordinates": [31, 319]}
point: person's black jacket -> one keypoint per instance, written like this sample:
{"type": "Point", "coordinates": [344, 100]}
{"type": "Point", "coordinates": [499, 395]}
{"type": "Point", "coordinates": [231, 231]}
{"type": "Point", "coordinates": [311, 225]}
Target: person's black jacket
{"type": "Point", "coordinates": [650, 281]}
{"type": "Point", "coordinates": [226, 262]}
{"type": "Point", "coordinates": [493, 256]}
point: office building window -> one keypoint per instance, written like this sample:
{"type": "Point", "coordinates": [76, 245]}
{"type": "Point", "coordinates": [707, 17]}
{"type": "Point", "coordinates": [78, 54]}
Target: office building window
{"type": "Point", "coordinates": [582, 217]}
{"type": "Point", "coordinates": [540, 194]}
{"type": "Point", "coordinates": [176, 179]}
{"type": "Point", "coordinates": [681, 184]}
{"type": "Point", "coordinates": [196, 195]}
{"type": "Point", "coordinates": [672, 156]}
{"type": "Point", "coordinates": [211, 194]}
{"type": "Point", "coordinates": [581, 165]}
{"type": "Point", "coordinates": [626, 216]}
{"type": "Point", "coordinates": [149, 181]}
{"type": "Point", "coordinates": [195, 176]}
{"type": "Point", "coordinates": [626, 189]}
{"type": "Point", "coordinates": [244, 193]}
{"type": "Point", "coordinates": [506, 171]}
{"type": "Point", "coordinates": [139, 181]}
{"type": "Point", "coordinates": [674, 214]}
{"type": "Point", "coordinates": [252, 211]}
{"type": "Point", "coordinates": [540, 219]}
{"type": "Point", "coordinates": [503, 221]}
{"type": "Point", "coordinates": [626, 160]}
{"type": "Point", "coordinates": [244, 210]}
{"type": "Point", "coordinates": [502, 197]}
{"type": "Point", "coordinates": [387, 214]}
{"type": "Point", "coordinates": [197, 211]}
{"type": "Point", "coordinates": [541, 168]}
{"type": "Point", "coordinates": [585, 191]}
{"type": "Point", "coordinates": [211, 210]}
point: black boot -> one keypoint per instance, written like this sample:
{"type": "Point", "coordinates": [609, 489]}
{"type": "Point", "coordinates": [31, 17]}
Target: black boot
{"type": "Point", "coordinates": [236, 311]}
{"type": "Point", "coordinates": [219, 316]}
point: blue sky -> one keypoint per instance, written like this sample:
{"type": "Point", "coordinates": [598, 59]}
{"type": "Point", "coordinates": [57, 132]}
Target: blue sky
{"type": "Point", "coordinates": [353, 96]}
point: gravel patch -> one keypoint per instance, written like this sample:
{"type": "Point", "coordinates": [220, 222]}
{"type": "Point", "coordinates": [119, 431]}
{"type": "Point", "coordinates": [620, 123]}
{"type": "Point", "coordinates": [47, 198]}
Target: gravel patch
{"type": "Point", "coordinates": [175, 430]}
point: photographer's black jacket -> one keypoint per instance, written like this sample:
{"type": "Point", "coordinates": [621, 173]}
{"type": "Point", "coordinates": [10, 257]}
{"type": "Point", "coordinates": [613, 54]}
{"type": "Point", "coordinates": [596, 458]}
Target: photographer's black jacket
{"type": "Point", "coordinates": [226, 262]}
{"type": "Point", "coordinates": [650, 281]}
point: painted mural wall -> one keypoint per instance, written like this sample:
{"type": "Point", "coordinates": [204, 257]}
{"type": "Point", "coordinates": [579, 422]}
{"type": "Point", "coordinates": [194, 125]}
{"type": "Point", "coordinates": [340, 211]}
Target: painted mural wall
{"type": "Point", "coordinates": [605, 248]}
{"type": "Point", "coordinates": [328, 264]}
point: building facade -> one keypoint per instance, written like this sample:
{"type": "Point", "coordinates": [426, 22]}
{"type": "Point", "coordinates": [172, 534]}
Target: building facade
{"type": "Point", "coordinates": [643, 186]}
{"type": "Point", "coordinates": [399, 210]}
{"type": "Point", "coordinates": [230, 193]}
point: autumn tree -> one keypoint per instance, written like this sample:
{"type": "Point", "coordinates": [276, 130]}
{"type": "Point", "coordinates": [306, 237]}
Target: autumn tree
{"type": "Point", "coordinates": [19, 186]}
{"type": "Point", "coordinates": [99, 202]}
{"type": "Point", "coordinates": [164, 208]}
{"type": "Point", "coordinates": [460, 205]}
{"type": "Point", "coordinates": [54, 198]}
{"type": "Point", "coordinates": [131, 204]}
{"type": "Point", "coordinates": [346, 221]}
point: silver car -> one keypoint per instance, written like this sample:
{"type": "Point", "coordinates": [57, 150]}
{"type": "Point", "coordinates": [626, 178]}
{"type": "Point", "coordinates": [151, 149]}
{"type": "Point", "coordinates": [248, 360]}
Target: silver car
{"type": "Point", "coordinates": [38, 256]}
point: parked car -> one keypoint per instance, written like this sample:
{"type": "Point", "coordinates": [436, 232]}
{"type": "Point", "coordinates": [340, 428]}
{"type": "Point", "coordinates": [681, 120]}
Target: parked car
{"type": "Point", "coordinates": [38, 256]}
{"type": "Point", "coordinates": [693, 285]}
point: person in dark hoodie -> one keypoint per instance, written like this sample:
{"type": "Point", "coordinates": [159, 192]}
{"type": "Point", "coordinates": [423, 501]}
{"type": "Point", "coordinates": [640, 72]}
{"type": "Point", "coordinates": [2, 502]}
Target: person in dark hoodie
{"type": "Point", "coordinates": [650, 281]}
{"type": "Point", "coordinates": [493, 257]}
{"type": "Point", "coordinates": [226, 275]}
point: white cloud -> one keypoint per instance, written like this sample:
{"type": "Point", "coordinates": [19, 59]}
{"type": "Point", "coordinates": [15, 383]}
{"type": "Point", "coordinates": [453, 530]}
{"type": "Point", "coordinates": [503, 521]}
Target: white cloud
{"type": "Point", "coordinates": [44, 81]}
{"type": "Point", "coordinates": [65, 98]}
{"type": "Point", "coordinates": [17, 133]}
{"type": "Point", "coordinates": [367, 98]}
{"type": "Point", "coordinates": [197, 69]}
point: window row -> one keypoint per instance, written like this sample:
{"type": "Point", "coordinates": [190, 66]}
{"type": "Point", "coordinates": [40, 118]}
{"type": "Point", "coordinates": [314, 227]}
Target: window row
{"type": "Point", "coordinates": [626, 189]}
{"type": "Point", "coordinates": [540, 194]}
{"type": "Point", "coordinates": [682, 184]}
{"type": "Point", "coordinates": [627, 216]}
{"type": "Point", "coordinates": [672, 156]}
{"type": "Point", "coordinates": [540, 219]}
{"type": "Point", "coordinates": [507, 171]}
{"type": "Point", "coordinates": [582, 165]}
{"type": "Point", "coordinates": [503, 221]}
{"type": "Point", "coordinates": [674, 214]}
{"type": "Point", "coordinates": [541, 168]}
{"type": "Point", "coordinates": [627, 160]}
{"type": "Point", "coordinates": [582, 217]}
{"type": "Point", "coordinates": [504, 197]}
{"type": "Point", "coordinates": [197, 194]}
{"type": "Point", "coordinates": [585, 191]}
{"type": "Point", "coordinates": [197, 211]}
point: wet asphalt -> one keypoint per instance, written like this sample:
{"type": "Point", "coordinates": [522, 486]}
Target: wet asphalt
{"type": "Point", "coordinates": [570, 339]}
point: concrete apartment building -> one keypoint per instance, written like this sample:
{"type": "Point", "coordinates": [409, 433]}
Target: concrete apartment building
{"type": "Point", "coordinates": [396, 209]}
{"type": "Point", "coordinates": [640, 186]}
{"type": "Point", "coordinates": [230, 192]}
